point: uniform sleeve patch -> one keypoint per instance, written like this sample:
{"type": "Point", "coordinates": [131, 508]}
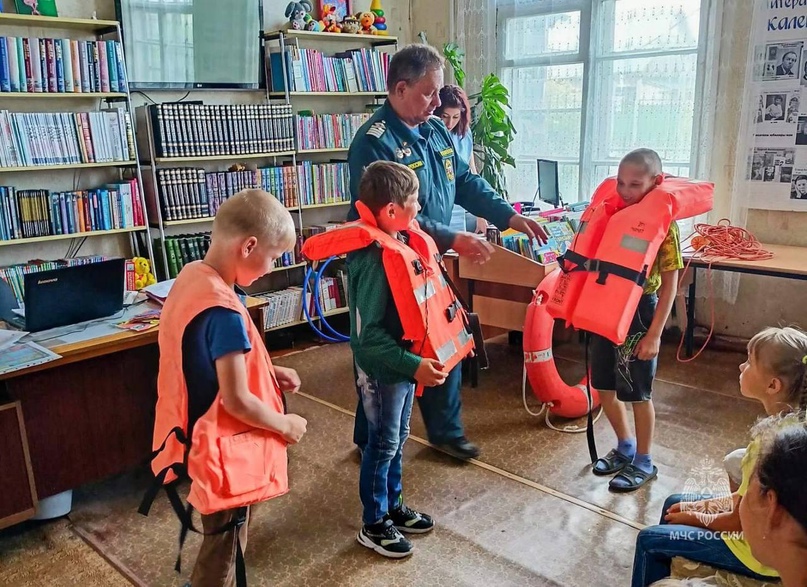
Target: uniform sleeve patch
{"type": "Point", "coordinates": [377, 129]}
{"type": "Point", "coordinates": [415, 165]}
{"type": "Point", "coordinates": [447, 152]}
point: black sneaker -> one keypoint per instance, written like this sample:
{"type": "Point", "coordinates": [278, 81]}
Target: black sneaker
{"type": "Point", "coordinates": [385, 539]}
{"type": "Point", "coordinates": [410, 521]}
{"type": "Point", "coordinates": [461, 448]}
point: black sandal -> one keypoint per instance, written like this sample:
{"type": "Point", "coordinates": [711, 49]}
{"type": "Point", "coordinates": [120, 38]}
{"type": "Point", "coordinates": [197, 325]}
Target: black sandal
{"type": "Point", "coordinates": [632, 479]}
{"type": "Point", "coordinates": [611, 463]}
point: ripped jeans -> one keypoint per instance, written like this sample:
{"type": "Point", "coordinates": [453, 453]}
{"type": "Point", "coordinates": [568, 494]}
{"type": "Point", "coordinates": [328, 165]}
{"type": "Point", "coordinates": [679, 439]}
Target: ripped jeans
{"type": "Point", "coordinates": [388, 408]}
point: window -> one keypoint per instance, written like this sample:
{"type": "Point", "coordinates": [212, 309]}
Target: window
{"type": "Point", "coordinates": [592, 79]}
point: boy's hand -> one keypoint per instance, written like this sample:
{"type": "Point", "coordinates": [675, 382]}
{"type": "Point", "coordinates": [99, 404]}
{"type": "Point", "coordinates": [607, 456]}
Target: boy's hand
{"type": "Point", "coordinates": [473, 247]}
{"type": "Point", "coordinates": [648, 347]}
{"type": "Point", "coordinates": [430, 373]}
{"type": "Point", "coordinates": [288, 379]}
{"type": "Point", "coordinates": [294, 427]}
{"type": "Point", "coordinates": [685, 518]}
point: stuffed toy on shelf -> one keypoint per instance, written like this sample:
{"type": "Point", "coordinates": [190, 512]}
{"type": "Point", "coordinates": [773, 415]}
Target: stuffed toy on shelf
{"type": "Point", "coordinates": [143, 275]}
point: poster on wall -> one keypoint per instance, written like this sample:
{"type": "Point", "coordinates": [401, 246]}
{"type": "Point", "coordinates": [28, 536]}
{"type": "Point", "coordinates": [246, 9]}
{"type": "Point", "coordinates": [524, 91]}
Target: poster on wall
{"type": "Point", "coordinates": [777, 133]}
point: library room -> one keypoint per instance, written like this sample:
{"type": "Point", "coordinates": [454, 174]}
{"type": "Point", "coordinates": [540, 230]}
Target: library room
{"type": "Point", "coordinates": [337, 293]}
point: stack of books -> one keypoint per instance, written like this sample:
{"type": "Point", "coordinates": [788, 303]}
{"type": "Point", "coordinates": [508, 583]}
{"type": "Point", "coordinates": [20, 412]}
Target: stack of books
{"type": "Point", "coordinates": [34, 213]}
{"type": "Point", "coordinates": [32, 64]}
{"type": "Point", "coordinates": [193, 129]}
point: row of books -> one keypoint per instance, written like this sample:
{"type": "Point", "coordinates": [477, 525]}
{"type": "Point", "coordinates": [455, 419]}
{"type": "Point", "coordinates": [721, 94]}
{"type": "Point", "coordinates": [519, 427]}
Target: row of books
{"type": "Point", "coordinates": [188, 193]}
{"type": "Point", "coordinates": [193, 129]}
{"type": "Point", "coordinates": [185, 248]}
{"type": "Point", "coordinates": [286, 306]}
{"type": "Point", "coordinates": [14, 274]}
{"type": "Point", "coordinates": [310, 70]}
{"type": "Point", "coordinates": [65, 138]}
{"type": "Point", "coordinates": [33, 64]}
{"type": "Point", "coordinates": [34, 213]}
{"type": "Point", "coordinates": [328, 131]}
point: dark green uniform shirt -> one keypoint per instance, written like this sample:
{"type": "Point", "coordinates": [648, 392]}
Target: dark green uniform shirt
{"type": "Point", "coordinates": [444, 177]}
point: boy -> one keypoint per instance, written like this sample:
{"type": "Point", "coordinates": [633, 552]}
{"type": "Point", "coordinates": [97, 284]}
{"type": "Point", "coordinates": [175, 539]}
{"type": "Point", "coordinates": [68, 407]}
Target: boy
{"type": "Point", "coordinates": [217, 383]}
{"type": "Point", "coordinates": [625, 373]}
{"type": "Point", "coordinates": [386, 369]}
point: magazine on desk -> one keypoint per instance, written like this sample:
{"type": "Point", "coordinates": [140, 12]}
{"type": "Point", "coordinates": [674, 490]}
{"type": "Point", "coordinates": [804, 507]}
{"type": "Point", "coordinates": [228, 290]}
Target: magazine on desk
{"type": "Point", "coordinates": [22, 355]}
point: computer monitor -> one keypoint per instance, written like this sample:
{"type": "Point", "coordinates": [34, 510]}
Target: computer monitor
{"type": "Point", "coordinates": [548, 182]}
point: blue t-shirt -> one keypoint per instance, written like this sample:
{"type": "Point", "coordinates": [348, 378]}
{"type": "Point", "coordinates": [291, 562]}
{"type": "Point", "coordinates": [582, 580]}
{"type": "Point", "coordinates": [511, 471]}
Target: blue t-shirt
{"type": "Point", "coordinates": [212, 334]}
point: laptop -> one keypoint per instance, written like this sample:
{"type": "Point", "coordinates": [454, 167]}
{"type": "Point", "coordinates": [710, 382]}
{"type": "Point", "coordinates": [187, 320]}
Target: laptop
{"type": "Point", "coordinates": [67, 295]}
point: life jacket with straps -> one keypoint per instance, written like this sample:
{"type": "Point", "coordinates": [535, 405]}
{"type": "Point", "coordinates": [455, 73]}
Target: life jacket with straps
{"type": "Point", "coordinates": [433, 317]}
{"type": "Point", "coordinates": [231, 464]}
{"type": "Point", "coordinates": [607, 264]}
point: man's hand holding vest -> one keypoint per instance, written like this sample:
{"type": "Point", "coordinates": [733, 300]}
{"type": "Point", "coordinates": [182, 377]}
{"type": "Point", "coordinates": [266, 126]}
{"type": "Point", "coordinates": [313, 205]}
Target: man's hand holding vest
{"type": "Point", "coordinates": [293, 428]}
{"type": "Point", "coordinates": [430, 373]}
{"type": "Point", "coordinates": [475, 248]}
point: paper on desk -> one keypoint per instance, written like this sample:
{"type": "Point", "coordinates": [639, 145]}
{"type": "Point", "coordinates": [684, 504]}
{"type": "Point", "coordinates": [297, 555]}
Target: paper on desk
{"type": "Point", "coordinates": [9, 337]}
{"type": "Point", "coordinates": [22, 355]}
{"type": "Point", "coordinates": [159, 291]}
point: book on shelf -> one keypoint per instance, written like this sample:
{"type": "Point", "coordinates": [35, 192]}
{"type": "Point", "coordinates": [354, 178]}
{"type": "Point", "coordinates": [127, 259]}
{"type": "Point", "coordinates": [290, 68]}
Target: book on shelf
{"type": "Point", "coordinates": [283, 307]}
{"type": "Point", "coordinates": [43, 65]}
{"type": "Point", "coordinates": [560, 236]}
{"type": "Point", "coordinates": [193, 129]}
{"type": "Point", "coordinates": [323, 183]}
{"type": "Point", "coordinates": [310, 70]}
{"type": "Point", "coordinates": [65, 138]}
{"type": "Point", "coordinates": [327, 131]}
{"type": "Point", "coordinates": [13, 274]}
{"type": "Point", "coordinates": [35, 213]}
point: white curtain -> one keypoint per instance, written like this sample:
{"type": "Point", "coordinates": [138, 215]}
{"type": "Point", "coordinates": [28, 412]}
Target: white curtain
{"type": "Point", "coordinates": [475, 33]}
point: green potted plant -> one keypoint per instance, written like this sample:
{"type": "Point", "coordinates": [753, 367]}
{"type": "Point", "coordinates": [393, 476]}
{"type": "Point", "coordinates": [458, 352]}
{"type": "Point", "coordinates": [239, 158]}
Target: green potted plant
{"type": "Point", "coordinates": [491, 126]}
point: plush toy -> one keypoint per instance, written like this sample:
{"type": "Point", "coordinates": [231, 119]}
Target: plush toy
{"type": "Point", "coordinates": [312, 24]}
{"type": "Point", "coordinates": [296, 13]}
{"type": "Point", "coordinates": [380, 22]}
{"type": "Point", "coordinates": [351, 25]}
{"type": "Point", "coordinates": [330, 21]}
{"type": "Point", "coordinates": [143, 275]}
{"type": "Point", "coordinates": [367, 19]}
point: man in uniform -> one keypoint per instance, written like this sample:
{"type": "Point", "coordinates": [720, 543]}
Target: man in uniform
{"type": "Point", "coordinates": [404, 130]}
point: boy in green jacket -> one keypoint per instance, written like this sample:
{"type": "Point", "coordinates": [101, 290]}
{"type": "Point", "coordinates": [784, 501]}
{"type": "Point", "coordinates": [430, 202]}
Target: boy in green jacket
{"type": "Point", "coordinates": [386, 369]}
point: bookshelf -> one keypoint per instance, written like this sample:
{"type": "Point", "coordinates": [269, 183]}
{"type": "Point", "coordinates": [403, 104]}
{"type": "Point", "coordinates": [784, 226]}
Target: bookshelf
{"type": "Point", "coordinates": [324, 89]}
{"type": "Point", "coordinates": [67, 108]}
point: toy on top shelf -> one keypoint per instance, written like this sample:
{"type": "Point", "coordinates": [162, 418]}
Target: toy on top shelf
{"type": "Point", "coordinates": [367, 19]}
{"type": "Point", "coordinates": [380, 22]}
{"type": "Point", "coordinates": [330, 19]}
{"type": "Point", "coordinates": [297, 12]}
{"type": "Point", "coordinates": [351, 25]}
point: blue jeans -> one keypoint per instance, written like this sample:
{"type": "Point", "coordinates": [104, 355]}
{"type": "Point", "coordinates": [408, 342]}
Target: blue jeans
{"type": "Point", "coordinates": [441, 408]}
{"type": "Point", "coordinates": [657, 545]}
{"type": "Point", "coordinates": [388, 409]}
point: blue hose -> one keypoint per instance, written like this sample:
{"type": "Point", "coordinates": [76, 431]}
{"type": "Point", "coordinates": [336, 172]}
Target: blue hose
{"type": "Point", "coordinates": [337, 336]}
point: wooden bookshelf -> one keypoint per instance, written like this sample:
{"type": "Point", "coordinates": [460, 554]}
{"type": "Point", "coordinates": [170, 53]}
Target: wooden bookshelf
{"type": "Point", "coordinates": [57, 22]}
{"type": "Point", "coordinates": [315, 151]}
{"type": "Point", "coordinates": [65, 95]}
{"type": "Point", "coordinates": [375, 40]}
{"type": "Point", "coordinates": [331, 205]}
{"type": "Point", "coordinates": [303, 321]}
{"type": "Point", "coordinates": [172, 160]}
{"type": "Point", "coordinates": [61, 237]}
{"type": "Point", "coordinates": [70, 166]}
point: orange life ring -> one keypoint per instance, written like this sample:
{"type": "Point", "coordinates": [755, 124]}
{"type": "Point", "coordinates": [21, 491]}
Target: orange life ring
{"type": "Point", "coordinates": [567, 401]}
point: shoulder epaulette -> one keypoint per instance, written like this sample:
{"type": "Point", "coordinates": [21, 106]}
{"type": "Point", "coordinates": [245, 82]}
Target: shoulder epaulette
{"type": "Point", "coordinates": [377, 129]}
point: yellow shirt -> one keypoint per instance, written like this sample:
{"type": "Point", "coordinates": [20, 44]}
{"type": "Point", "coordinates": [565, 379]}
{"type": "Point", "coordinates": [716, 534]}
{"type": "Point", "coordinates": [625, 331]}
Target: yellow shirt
{"type": "Point", "coordinates": [668, 258]}
{"type": "Point", "coordinates": [738, 546]}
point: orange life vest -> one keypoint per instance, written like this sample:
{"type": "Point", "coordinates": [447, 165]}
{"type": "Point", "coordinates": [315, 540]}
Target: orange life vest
{"type": "Point", "coordinates": [231, 464]}
{"type": "Point", "coordinates": [606, 266]}
{"type": "Point", "coordinates": [432, 317]}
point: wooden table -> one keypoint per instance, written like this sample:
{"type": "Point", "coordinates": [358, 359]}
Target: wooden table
{"type": "Point", "coordinates": [788, 262]}
{"type": "Point", "coordinates": [80, 418]}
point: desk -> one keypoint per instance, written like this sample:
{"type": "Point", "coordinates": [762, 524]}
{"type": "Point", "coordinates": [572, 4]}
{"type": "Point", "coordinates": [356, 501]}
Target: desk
{"type": "Point", "coordinates": [787, 262]}
{"type": "Point", "coordinates": [85, 416]}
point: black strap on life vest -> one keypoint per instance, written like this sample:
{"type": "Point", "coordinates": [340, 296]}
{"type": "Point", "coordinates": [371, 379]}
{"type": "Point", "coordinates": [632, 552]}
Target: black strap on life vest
{"type": "Point", "coordinates": [472, 325]}
{"type": "Point", "coordinates": [571, 261]}
{"type": "Point", "coordinates": [185, 513]}
{"type": "Point", "coordinates": [592, 443]}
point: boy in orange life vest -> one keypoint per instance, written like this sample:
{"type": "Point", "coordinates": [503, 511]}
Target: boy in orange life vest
{"type": "Point", "coordinates": [625, 373]}
{"type": "Point", "coordinates": [215, 371]}
{"type": "Point", "coordinates": [386, 369]}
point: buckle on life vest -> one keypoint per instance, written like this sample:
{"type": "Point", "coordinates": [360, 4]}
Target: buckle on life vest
{"type": "Point", "coordinates": [418, 266]}
{"type": "Point", "coordinates": [451, 311]}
